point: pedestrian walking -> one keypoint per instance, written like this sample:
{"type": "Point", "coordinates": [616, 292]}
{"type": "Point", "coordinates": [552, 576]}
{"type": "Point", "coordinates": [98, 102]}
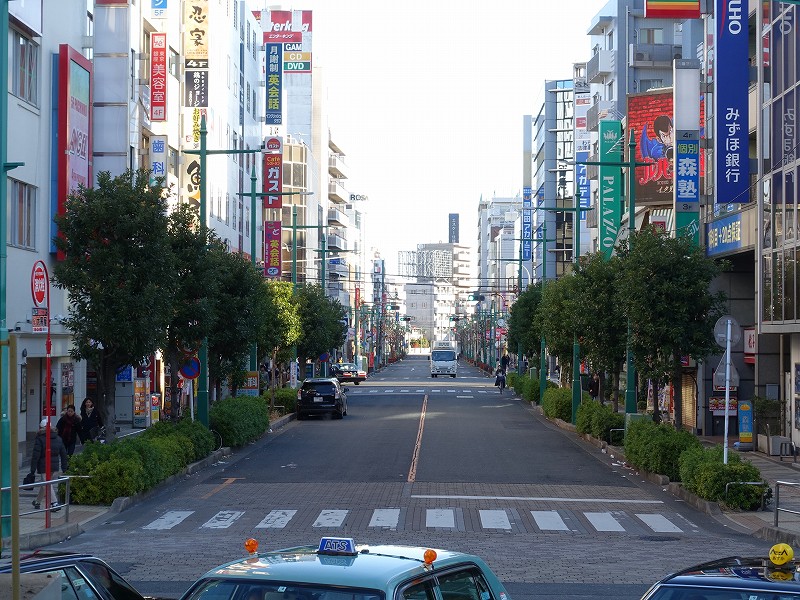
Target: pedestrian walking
{"type": "Point", "coordinates": [68, 427]}
{"type": "Point", "coordinates": [90, 421]}
{"type": "Point", "coordinates": [504, 362]}
{"type": "Point", "coordinates": [594, 386]}
{"type": "Point", "coordinates": [58, 457]}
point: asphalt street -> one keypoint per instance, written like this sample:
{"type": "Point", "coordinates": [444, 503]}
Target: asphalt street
{"type": "Point", "coordinates": [446, 463]}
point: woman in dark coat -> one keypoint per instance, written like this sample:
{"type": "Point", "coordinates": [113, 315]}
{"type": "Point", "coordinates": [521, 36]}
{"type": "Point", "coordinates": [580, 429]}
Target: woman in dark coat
{"type": "Point", "coordinates": [68, 426]}
{"type": "Point", "coordinates": [90, 421]}
{"type": "Point", "coordinates": [58, 457]}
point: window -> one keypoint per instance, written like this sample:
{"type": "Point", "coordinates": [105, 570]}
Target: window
{"type": "Point", "coordinates": [610, 40]}
{"type": "Point", "coordinates": [174, 63]}
{"type": "Point", "coordinates": [467, 584]}
{"type": "Point", "coordinates": [173, 159]}
{"type": "Point", "coordinates": [254, 44]}
{"type": "Point", "coordinates": [25, 66]}
{"type": "Point", "coordinates": [22, 202]}
{"type": "Point", "coordinates": [247, 96]}
{"type": "Point", "coordinates": [648, 84]}
{"type": "Point", "coordinates": [227, 208]}
{"type": "Point", "coordinates": [248, 36]}
{"type": "Point", "coordinates": [651, 36]}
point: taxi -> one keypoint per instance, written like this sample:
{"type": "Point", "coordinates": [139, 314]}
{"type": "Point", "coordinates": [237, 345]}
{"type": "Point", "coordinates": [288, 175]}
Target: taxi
{"type": "Point", "coordinates": [338, 569]}
{"type": "Point", "coordinates": [776, 576]}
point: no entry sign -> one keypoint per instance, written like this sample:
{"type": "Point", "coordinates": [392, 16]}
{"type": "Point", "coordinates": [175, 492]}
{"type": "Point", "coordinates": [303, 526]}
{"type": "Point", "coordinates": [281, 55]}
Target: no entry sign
{"type": "Point", "coordinates": [39, 283]}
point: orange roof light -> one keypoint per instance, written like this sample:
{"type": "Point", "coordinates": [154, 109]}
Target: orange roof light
{"type": "Point", "coordinates": [429, 556]}
{"type": "Point", "coordinates": [251, 545]}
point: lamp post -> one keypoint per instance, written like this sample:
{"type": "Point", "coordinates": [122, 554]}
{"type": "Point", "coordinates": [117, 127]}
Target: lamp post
{"type": "Point", "coordinates": [630, 164]}
{"type": "Point", "coordinates": [203, 152]}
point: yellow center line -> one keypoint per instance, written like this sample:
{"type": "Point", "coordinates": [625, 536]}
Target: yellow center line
{"type": "Point", "coordinates": [412, 472]}
{"type": "Point", "coordinates": [221, 487]}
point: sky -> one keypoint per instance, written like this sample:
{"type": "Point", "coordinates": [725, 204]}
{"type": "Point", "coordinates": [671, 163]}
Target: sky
{"type": "Point", "coordinates": [426, 99]}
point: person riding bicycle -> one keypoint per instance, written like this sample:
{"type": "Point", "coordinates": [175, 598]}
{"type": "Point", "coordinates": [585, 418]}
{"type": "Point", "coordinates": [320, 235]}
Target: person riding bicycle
{"type": "Point", "coordinates": [500, 377]}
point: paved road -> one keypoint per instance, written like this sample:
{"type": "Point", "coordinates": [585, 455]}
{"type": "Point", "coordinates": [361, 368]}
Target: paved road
{"type": "Point", "coordinates": [444, 463]}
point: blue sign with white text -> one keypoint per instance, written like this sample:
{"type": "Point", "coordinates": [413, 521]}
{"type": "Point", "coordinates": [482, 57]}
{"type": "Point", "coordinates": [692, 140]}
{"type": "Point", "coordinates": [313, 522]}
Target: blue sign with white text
{"type": "Point", "coordinates": [724, 235]}
{"type": "Point", "coordinates": [159, 7]}
{"type": "Point", "coordinates": [274, 114]}
{"type": "Point", "coordinates": [527, 221]}
{"type": "Point", "coordinates": [732, 81]}
{"type": "Point", "coordinates": [582, 181]}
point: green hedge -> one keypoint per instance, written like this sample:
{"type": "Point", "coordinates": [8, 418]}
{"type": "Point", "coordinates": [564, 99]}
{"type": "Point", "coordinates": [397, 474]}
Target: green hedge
{"type": "Point", "coordinates": [598, 420]}
{"type": "Point", "coordinates": [557, 403]}
{"type": "Point", "coordinates": [704, 474]}
{"type": "Point", "coordinates": [240, 420]}
{"type": "Point", "coordinates": [527, 388]}
{"type": "Point", "coordinates": [286, 397]}
{"type": "Point", "coordinates": [657, 448]}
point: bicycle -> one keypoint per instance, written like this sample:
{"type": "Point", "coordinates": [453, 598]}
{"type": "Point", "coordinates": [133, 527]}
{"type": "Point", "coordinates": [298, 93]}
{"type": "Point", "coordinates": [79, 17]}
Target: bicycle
{"type": "Point", "coordinates": [500, 381]}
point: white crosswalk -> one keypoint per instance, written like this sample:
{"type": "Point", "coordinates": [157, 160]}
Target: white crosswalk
{"type": "Point", "coordinates": [545, 521]}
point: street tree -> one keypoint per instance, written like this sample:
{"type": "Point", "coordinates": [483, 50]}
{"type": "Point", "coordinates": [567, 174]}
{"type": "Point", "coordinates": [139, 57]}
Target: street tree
{"type": "Point", "coordinates": [117, 264]}
{"type": "Point", "coordinates": [601, 324]}
{"type": "Point", "coordinates": [522, 328]}
{"type": "Point", "coordinates": [556, 318]}
{"type": "Point", "coordinates": [280, 325]}
{"type": "Point", "coordinates": [664, 291]}
{"type": "Point", "coordinates": [321, 318]}
{"type": "Point", "coordinates": [235, 325]}
{"type": "Point", "coordinates": [193, 286]}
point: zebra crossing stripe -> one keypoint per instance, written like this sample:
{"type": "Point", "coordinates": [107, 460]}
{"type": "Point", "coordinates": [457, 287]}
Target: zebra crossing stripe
{"type": "Point", "coordinates": [549, 520]}
{"type": "Point", "coordinates": [330, 518]}
{"type": "Point", "coordinates": [603, 521]}
{"type": "Point", "coordinates": [659, 523]}
{"type": "Point", "coordinates": [223, 519]}
{"type": "Point", "coordinates": [276, 519]}
{"type": "Point", "coordinates": [418, 391]}
{"type": "Point", "coordinates": [440, 517]}
{"type": "Point", "coordinates": [494, 519]}
{"type": "Point", "coordinates": [404, 391]}
{"type": "Point", "coordinates": [169, 519]}
{"type": "Point", "coordinates": [385, 517]}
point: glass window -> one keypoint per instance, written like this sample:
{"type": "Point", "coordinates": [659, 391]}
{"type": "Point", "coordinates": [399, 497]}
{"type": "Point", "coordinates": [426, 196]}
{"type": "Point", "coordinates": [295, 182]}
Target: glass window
{"type": "Point", "coordinates": [651, 36]}
{"type": "Point", "coordinates": [173, 160]}
{"type": "Point", "coordinates": [22, 221]}
{"type": "Point", "coordinates": [105, 577]}
{"type": "Point", "coordinates": [467, 584]}
{"type": "Point", "coordinates": [419, 591]}
{"type": "Point", "coordinates": [25, 68]}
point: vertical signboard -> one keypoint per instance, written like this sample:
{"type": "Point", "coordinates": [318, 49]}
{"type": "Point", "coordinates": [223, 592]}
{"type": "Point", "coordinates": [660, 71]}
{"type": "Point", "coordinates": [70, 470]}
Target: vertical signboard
{"type": "Point", "coordinates": [527, 223]}
{"type": "Point", "coordinates": [195, 50]}
{"type": "Point", "coordinates": [158, 76]}
{"type": "Point", "coordinates": [583, 146]}
{"type": "Point", "coordinates": [452, 228]}
{"type": "Point", "coordinates": [731, 123]}
{"type": "Point", "coordinates": [272, 249]}
{"type": "Point", "coordinates": [159, 8]}
{"type": "Point", "coordinates": [191, 166]}
{"type": "Point", "coordinates": [158, 156]}
{"type": "Point", "coordinates": [686, 93]}
{"type": "Point", "coordinates": [74, 125]}
{"type": "Point", "coordinates": [274, 114]}
{"type": "Point", "coordinates": [610, 186]}
{"type": "Point", "coordinates": [273, 173]}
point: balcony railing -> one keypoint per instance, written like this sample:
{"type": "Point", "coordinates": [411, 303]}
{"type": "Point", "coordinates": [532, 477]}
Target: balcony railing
{"type": "Point", "coordinates": [337, 167]}
{"type": "Point", "coordinates": [338, 217]}
{"type": "Point", "coordinates": [337, 193]}
{"type": "Point", "coordinates": [600, 65]}
{"type": "Point", "coordinates": [336, 242]}
{"type": "Point", "coordinates": [597, 112]}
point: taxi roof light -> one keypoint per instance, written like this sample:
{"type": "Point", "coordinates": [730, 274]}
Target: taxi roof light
{"type": "Point", "coordinates": [780, 554]}
{"type": "Point", "coordinates": [429, 556]}
{"type": "Point", "coordinates": [337, 546]}
{"type": "Point", "coordinates": [251, 545]}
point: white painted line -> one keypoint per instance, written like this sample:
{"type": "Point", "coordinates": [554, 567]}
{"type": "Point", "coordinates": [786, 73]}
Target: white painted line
{"type": "Point", "coordinates": [549, 520]}
{"type": "Point", "coordinates": [404, 391]}
{"type": "Point", "coordinates": [659, 523]}
{"type": "Point", "coordinates": [169, 519]}
{"type": "Point", "coordinates": [276, 519]}
{"type": "Point", "coordinates": [464, 396]}
{"type": "Point", "coordinates": [419, 391]}
{"type": "Point", "coordinates": [467, 391]}
{"type": "Point", "coordinates": [388, 391]}
{"type": "Point", "coordinates": [385, 517]}
{"type": "Point", "coordinates": [436, 390]}
{"type": "Point", "coordinates": [603, 521]}
{"type": "Point", "coordinates": [440, 517]}
{"type": "Point", "coordinates": [223, 519]}
{"type": "Point", "coordinates": [451, 391]}
{"type": "Point", "coordinates": [330, 518]}
{"type": "Point", "coordinates": [536, 498]}
{"type": "Point", "coordinates": [494, 519]}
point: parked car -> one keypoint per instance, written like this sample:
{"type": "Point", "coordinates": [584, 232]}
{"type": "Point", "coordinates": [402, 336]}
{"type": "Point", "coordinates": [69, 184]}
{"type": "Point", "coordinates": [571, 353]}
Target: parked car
{"type": "Point", "coordinates": [345, 372]}
{"type": "Point", "coordinates": [321, 396]}
{"type": "Point", "coordinates": [338, 569]}
{"type": "Point", "coordinates": [82, 575]}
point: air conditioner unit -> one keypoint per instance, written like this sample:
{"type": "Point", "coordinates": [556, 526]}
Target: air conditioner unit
{"type": "Point", "coordinates": [641, 56]}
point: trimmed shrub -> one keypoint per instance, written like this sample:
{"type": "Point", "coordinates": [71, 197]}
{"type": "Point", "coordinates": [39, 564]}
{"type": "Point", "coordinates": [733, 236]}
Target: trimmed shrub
{"type": "Point", "coordinates": [703, 473]}
{"type": "Point", "coordinates": [286, 397]}
{"type": "Point", "coordinates": [557, 403]}
{"type": "Point", "coordinates": [240, 420]}
{"type": "Point", "coordinates": [113, 478]}
{"type": "Point", "coordinates": [657, 448]}
{"type": "Point", "coordinates": [598, 420]}
{"type": "Point", "coordinates": [200, 437]}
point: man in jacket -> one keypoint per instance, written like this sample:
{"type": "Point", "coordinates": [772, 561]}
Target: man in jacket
{"type": "Point", "coordinates": [58, 457]}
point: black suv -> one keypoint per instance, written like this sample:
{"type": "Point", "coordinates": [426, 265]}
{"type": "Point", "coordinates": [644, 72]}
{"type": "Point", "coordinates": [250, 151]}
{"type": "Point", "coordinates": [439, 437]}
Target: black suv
{"type": "Point", "coordinates": [82, 575]}
{"type": "Point", "coordinates": [321, 396]}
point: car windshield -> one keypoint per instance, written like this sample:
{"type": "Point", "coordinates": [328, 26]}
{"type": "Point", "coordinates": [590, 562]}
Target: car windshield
{"type": "Point", "coordinates": [705, 593]}
{"type": "Point", "coordinates": [243, 590]}
{"type": "Point", "coordinates": [443, 355]}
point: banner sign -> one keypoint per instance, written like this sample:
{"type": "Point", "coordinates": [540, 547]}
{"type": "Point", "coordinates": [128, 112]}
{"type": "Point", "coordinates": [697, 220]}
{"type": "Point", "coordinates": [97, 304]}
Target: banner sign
{"type": "Point", "coordinates": [273, 173]}
{"type": "Point", "coordinates": [158, 76]}
{"type": "Point", "coordinates": [196, 88]}
{"type": "Point", "coordinates": [159, 8]}
{"type": "Point", "coordinates": [452, 229]}
{"type": "Point", "coordinates": [195, 27]}
{"type": "Point", "coordinates": [272, 249]}
{"type": "Point", "coordinates": [158, 156]}
{"type": "Point", "coordinates": [274, 114]}
{"type": "Point", "coordinates": [687, 185]}
{"type": "Point", "coordinates": [745, 422]}
{"type": "Point", "coordinates": [672, 9]}
{"type": "Point", "coordinates": [610, 185]}
{"type": "Point", "coordinates": [724, 235]}
{"type": "Point", "coordinates": [527, 223]}
{"type": "Point", "coordinates": [583, 146]}
{"type": "Point", "coordinates": [731, 123]}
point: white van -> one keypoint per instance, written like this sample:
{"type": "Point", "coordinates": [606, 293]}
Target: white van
{"type": "Point", "coordinates": [444, 359]}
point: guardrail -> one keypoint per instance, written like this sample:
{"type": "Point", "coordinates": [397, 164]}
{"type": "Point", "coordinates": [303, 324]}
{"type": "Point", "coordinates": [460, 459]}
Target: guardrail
{"type": "Point", "coordinates": [778, 509]}
{"type": "Point", "coordinates": [763, 484]}
{"type": "Point", "coordinates": [64, 479]}
{"type": "Point", "coordinates": [786, 448]}
{"type": "Point", "coordinates": [610, 431]}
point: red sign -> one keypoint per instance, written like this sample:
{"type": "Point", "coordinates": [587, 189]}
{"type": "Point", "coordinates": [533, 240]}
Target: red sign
{"type": "Point", "coordinates": [158, 76]}
{"type": "Point", "coordinates": [273, 174]}
{"type": "Point", "coordinates": [39, 283]}
{"type": "Point", "coordinates": [358, 297]}
{"type": "Point", "coordinates": [672, 9]}
{"type": "Point", "coordinates": [272, 249]}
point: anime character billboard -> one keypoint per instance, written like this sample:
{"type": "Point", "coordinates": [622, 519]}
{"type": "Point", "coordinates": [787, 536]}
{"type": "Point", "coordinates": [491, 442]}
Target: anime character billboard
{"type": "Point", "coordinates": [650, 115]}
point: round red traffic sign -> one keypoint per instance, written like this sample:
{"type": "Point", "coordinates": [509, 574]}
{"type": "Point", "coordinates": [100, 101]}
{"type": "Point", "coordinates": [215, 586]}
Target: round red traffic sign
{"type": "Point", "coordinates": [39, 283]}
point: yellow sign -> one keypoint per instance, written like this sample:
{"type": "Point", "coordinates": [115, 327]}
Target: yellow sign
{"type": "Point", "coordinates": [780, 554]}
{"type": "Point", "coordinates": [297, 56]}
